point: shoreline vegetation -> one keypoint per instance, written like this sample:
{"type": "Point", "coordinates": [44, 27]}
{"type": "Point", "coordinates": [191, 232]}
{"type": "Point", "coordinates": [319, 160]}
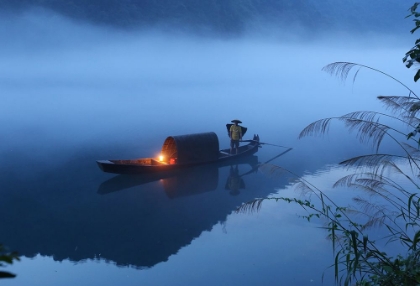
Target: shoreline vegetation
{"type": "Point", "coordinates": [390, 182]}
{"type": "Point", "coordinates": [7, 257]}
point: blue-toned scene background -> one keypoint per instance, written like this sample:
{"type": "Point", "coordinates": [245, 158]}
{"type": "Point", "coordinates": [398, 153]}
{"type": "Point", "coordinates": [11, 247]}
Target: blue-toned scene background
{"type": "Point", "coordinates": [80, 83]}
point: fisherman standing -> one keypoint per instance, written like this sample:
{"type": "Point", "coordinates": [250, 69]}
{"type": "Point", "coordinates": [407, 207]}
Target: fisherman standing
{"type": "Point", "coordinates": [235, 134]}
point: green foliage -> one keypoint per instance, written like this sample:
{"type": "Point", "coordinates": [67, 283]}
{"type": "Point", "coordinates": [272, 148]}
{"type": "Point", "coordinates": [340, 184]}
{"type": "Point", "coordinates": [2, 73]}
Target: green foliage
{"type": "Point", "coordinates": [413, 55]}
{"type": "Point", "coordinates": [7, 258]}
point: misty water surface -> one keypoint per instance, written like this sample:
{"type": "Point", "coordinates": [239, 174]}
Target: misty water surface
{"type": "Point", "coordinates": [74, 93]}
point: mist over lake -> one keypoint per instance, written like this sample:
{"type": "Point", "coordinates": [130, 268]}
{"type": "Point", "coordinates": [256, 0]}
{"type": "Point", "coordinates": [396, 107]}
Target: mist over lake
{"type": "Point", "coordinates": [75, 91]}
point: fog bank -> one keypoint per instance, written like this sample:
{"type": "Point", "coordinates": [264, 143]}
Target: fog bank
{"type": "Point", "coordinates": [72, 83]}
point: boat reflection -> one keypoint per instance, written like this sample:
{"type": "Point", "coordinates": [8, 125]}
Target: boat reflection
{"type": "Point", "coordinates": [130, 220]}
{"type": "Point", "coordinates": [234, 182]}
{"type": "Point", "coordinates": [184, 182]}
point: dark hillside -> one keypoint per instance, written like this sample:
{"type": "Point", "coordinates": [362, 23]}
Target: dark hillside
{"type": "Point", "coordinates": [231, 16]}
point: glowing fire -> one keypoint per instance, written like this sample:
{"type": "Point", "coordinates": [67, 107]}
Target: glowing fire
{"type": "Point", "coordinates": [161, 158]}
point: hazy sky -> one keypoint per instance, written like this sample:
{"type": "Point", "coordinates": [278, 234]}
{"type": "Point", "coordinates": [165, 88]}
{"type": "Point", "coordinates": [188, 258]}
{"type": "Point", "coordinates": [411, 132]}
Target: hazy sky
{"type": "Point", "coordinates": [75, 82]}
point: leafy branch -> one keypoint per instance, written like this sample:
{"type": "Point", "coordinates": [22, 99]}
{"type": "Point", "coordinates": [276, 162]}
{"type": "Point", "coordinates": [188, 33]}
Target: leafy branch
{"type": "Point", "coordinates": [7, 258]}
{"type": "Point", "coordinates": [413, 55]}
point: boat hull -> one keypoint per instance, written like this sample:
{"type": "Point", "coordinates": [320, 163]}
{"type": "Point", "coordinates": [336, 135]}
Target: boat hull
{"type": "Point", "coordinates": [150, 165]}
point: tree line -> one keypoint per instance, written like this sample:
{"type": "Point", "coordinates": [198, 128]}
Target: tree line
{"type": "Point", "coordinates": [229, 16]}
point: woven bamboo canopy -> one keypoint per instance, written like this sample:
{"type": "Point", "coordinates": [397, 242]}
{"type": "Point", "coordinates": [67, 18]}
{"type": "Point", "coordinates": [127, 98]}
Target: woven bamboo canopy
{"type": "Point", "coordinates": [192, 147]}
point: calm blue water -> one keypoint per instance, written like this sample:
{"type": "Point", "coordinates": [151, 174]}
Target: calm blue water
{"type": "Point", "coordinates": [72, 102]}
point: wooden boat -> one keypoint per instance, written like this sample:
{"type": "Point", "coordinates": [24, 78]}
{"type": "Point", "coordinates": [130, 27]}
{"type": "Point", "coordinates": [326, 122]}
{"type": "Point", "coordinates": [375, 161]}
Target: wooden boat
{"type": "Point", "coordinates": [180, 182]}
{"type": "Point", "coordinates": [181, 152]}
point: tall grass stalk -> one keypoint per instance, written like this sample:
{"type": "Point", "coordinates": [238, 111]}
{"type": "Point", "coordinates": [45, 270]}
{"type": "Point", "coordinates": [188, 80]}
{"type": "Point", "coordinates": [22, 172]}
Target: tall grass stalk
{"type": "Point", "coordinates": [390, 182]}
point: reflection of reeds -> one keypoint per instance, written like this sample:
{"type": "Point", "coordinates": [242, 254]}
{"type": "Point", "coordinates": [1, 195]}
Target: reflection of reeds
{"type": "Point", "coordinates": [272, 171]}
{"type": "Point", "coordinates": [251, 207]}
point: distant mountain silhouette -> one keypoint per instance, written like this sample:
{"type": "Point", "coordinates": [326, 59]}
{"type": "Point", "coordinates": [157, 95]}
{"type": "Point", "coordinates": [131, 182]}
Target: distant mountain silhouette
{"type": "Point", "coordinates": [229, 16]}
